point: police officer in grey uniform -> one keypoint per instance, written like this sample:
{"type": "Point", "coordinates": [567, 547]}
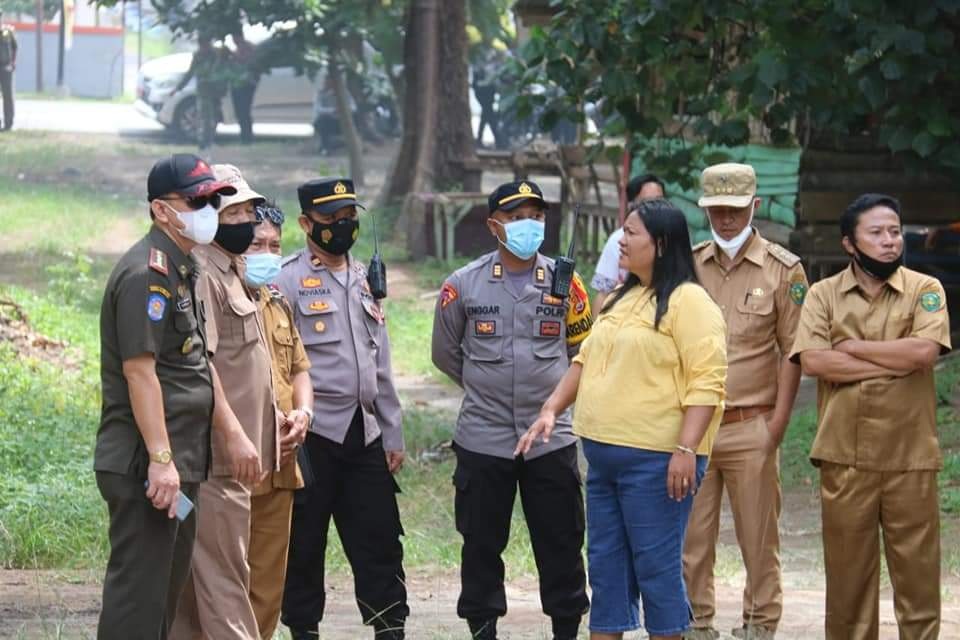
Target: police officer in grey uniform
{"type": "Point", "coordinates": [160, 397]}
{"type": "Point", "coordinates": [501, 336]}
{"type": "Point", "coordinates": [355, 442]}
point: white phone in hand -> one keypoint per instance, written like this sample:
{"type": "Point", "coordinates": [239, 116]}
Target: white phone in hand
{"type": "Point", "coordinates": [184, 504]}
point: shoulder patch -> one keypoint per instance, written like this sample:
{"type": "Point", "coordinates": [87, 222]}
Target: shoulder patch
{"type": "Point", "coordinates": [158, 261]}
{"type": "Point", "coordinates": [447, 295]}
{"type": "Point", "coordinates": [156, 306]}
{"type": "Point", "coordinates": [931, 300]}
{"type": "Point", "coordinates": [787, 258]}
{"type": "Point", "coordinates": [702, 245]}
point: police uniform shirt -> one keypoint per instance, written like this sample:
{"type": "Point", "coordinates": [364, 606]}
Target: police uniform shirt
{"type": "Point", "coordinates": [8, 45]}
{"type": "Point", "coordinates": [760, 295]}
{"type": "Point", "coordinates": [149, 306]}
{"type": "Point", "coordinates": [507, 351]}
{"type": "Point", "coordinates": [344, 332]}
{"type": "Point", "coordinates": [238, 348]}
{"type": "Point", "coordinates": [289, 359]}
{"type": "Point", "coordinates": [881, 424]}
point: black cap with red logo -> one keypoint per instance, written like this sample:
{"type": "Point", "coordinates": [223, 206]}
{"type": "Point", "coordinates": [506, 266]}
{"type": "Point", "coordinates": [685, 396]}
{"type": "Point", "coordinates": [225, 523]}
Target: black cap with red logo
{"type": "Point", "coordinates": [184, 174]}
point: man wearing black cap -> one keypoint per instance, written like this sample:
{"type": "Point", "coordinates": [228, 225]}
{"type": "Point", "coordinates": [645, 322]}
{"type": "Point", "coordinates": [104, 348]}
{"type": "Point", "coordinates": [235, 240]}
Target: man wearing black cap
{"type": "Point", "coordinates": [160, 396]}
{"type": "Point", "coordinates": [501, 336]}
{"type": "Point", "coordinates": [355, 443]}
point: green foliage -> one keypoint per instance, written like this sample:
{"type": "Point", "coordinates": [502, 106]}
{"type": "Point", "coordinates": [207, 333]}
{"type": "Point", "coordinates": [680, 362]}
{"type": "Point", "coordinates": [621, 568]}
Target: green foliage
{"type": "Point", "coordinates": [28, 7]}
{"type": "Point", "coordinates": [701, 72]}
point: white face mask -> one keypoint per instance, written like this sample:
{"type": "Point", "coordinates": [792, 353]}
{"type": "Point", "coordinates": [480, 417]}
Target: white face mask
{"type": "Point", "coordinates": [732, 246]}
{"type": "Point", "coordinates": [201, 225]}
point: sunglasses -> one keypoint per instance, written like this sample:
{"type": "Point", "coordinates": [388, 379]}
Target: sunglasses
{"type": "Point", "coordinates": [199, 202]}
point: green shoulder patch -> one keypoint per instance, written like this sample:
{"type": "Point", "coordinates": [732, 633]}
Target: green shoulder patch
{"type": "Point", "coordinates": [798, 292]}
{"type": "Point", "coordinates": [931, 301]}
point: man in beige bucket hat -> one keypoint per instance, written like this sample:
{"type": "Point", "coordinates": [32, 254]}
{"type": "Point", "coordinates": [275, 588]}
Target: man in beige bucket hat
{"type": "Point", "coordinates": [215, 602]}
{"type": "Point", "coordinates": [760, 287]}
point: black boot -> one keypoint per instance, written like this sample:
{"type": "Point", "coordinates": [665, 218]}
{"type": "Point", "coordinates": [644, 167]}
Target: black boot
{"type": "Point", "coordinates": [483, 629]}
{"type": "Point", "coordinates": [389, 630]}
{"type": "Point", "coordinates": [565, 628]}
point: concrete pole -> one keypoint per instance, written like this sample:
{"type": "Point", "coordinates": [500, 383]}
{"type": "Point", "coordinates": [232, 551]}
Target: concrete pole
{"type": "Point", "coordinates": [39, 19]}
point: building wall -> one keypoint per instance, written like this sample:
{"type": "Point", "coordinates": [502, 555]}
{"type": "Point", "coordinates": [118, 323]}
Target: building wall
{"type": "Point", "coordinates": [93, 66]}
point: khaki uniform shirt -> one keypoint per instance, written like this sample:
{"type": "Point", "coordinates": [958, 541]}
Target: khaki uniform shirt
{"type": "Point", "coordinates": [289, 359]}
{"type": "Point", "coordinates": [344, 331]}
{"type": "Point", "coordinates": [760, 295]}
{"type": "Point", "coordinates": [882, 424]}
{"type": "Point", "coordinates": [507, 351]}
{"type": "Point", "coordinates": [238, 349]}
{"type": "Point", "coordinates": [149, 307]}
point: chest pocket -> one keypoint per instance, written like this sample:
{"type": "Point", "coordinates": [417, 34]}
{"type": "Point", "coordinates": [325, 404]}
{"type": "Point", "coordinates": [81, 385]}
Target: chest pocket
{"type": "Point", "coordinates": [484, 339]}
{"type": "Point", "coordinates": [755, 314]}
{"type": "Point", "coordinates": [548, 338]}
{"type": "Point", "coordinates": [185, 322]}
{"type": "Point", "coordinates": [242, 319]}
{"type": "Point", "coordinates": [283, 342]}
{"type": "Point", "coordinates": [316, 326]}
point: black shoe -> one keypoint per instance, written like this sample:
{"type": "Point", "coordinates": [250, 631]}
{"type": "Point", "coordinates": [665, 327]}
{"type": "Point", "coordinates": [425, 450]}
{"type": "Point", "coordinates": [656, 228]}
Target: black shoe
{"type": "Point", "coordinates": [393, 632]}
{"type": "Point", "coordinates": [565, 628]}
{"type": "Point", "coordinates": [483, 629]}
{"type": "Point", "coordinates": [304, 634]}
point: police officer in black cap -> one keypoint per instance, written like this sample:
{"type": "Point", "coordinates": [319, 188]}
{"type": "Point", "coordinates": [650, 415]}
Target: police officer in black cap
{"type": "Point", "coordinates": [500, 334]}
{"type": "Point", "coordinates": [355, 443]}
{"type": "Point", "coordinates": [161, 395]}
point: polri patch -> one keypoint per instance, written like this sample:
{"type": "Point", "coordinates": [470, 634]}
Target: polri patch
{"type": "Point", "coordinates": [486, 327]}
{"type": "Point", "coordinates": [930, 301]}
{"type": "Point", "coordinates": [156, 306]}
{"type": "Point", "coordinates": [549, 328]}
{"type": "Point", "coordinates": [448, 294]}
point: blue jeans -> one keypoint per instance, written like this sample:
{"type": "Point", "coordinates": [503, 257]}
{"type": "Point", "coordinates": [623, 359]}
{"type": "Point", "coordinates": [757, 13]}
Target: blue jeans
{"type": "Point", "coordinates": [635, 540]}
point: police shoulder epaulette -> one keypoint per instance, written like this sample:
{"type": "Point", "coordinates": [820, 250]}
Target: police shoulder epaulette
{"type": "Point", "coordinates": [702, 245]}
{"type": "Point", "coordinates": [782, 255]}
{"type": "Point", "coordinates": [158, 261]}
{"type": "Point", "coordinates": [293, 257]}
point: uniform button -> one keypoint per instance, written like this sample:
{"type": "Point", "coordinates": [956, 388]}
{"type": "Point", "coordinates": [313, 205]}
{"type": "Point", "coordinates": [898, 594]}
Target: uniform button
{"type": "Point", "coordinates": [723, 307]}
{"type": "Point", "coordinates": [727, 278]}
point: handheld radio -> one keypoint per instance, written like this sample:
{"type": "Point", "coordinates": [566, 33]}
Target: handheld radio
{"type": "Point", "coordinates": [377, 273]}
{"type": "Point", "coordinates": [565, 266]}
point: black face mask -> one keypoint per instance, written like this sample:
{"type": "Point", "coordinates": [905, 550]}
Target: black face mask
{"type": "Point", "coordinates": [336, 237]}
{"type": "Point", "coordinates": [235, 238]}
{"type": "Point", "coordinates": [875, 268]}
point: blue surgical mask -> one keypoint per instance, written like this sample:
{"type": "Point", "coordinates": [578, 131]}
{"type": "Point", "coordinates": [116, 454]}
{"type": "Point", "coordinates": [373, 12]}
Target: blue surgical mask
{"type": "Point", "coordinates": [262, 268]}
{"type": "Point", "coordinates": [524, 237]}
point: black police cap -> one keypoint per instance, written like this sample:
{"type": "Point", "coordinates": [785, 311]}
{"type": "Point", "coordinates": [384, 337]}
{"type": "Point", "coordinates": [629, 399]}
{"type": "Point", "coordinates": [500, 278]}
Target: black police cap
{"type": "Point", "coordinates": [511, 195]}
{"type": "Point", "coordinates": [327, 195]}
{"type": "Point", "coordinates": [185, 174]}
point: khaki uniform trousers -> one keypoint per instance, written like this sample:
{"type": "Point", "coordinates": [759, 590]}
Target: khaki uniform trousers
{"type": "Point", "coordinates": [740, 463]}
{"type": "Point", "coordinates": [270, 520]}
{"type": "Point", "coordinates": [215, 603]}
{"type": "Point", "coordinates": [856, 506]}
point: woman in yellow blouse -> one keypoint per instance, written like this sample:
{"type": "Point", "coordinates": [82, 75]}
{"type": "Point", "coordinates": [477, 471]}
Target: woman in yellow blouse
{"type": "Point", "coordinates": [649, 387]}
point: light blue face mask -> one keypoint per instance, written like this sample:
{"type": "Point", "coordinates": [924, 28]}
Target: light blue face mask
{"type": "Point", "coordinates": [262, 268]}
{"type": "Point", "coordinates": [524, 237]}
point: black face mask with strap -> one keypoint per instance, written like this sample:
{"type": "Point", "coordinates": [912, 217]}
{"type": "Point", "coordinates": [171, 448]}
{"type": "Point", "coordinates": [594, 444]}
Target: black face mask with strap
{"type": "Point", "coordinates": [337, 237]}
{"type": "Point", "coordinates": [235, 238]}
{"type": "Point", "coordinates": [874, 268]}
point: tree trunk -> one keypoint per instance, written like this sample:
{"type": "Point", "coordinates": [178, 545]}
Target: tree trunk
{"type": "Point", "coordinates": [347, 128]}
{"type": "Point", "coordinates": [455, 142]}
{"type": "Point", "coordinates": [437, 134]}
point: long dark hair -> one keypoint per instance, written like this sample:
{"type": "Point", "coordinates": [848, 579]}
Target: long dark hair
{"type": "Point", "coordinates": [673, 260]}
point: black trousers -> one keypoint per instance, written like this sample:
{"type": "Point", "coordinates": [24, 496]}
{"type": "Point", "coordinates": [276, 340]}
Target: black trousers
{"type": "Point", "coordinates": [352, 484]}
{"type": "Point", "coordinates": [242, 97]}
{"type": "Point", "coordinates": [149, 561]}
{"type": "Point", "coordinates": [6, 88]}
{"type": "Point", "coordinates": [553, 507]}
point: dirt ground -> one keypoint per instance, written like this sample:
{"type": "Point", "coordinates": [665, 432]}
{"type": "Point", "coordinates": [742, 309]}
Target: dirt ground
{"type": "Point", "coordinates": [65, 604]}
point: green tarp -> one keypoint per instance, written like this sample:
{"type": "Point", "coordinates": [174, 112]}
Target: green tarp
{"type": "Point", "coordinates": [778, 173]}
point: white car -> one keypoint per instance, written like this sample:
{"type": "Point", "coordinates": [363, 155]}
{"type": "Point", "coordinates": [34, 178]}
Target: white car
{"type": "Point", "coordinates": [282, 96]}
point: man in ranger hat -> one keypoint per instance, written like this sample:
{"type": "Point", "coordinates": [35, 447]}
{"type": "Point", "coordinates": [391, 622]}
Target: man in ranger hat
{"type": "Point", "coordinates": [161, 394]}
{"type": "Point", "coordinates": [355, 443]}
{"type": "Point", "coordinates": [501, 336]}
{"type": "Point", "coordinates": [216, 601]}
{"type": "Point", "coordinates": [8, 63]}
{"type": "Point", "coordinates": [871, 336]}
{"type": "Point", "coordinates": [760, 288]}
